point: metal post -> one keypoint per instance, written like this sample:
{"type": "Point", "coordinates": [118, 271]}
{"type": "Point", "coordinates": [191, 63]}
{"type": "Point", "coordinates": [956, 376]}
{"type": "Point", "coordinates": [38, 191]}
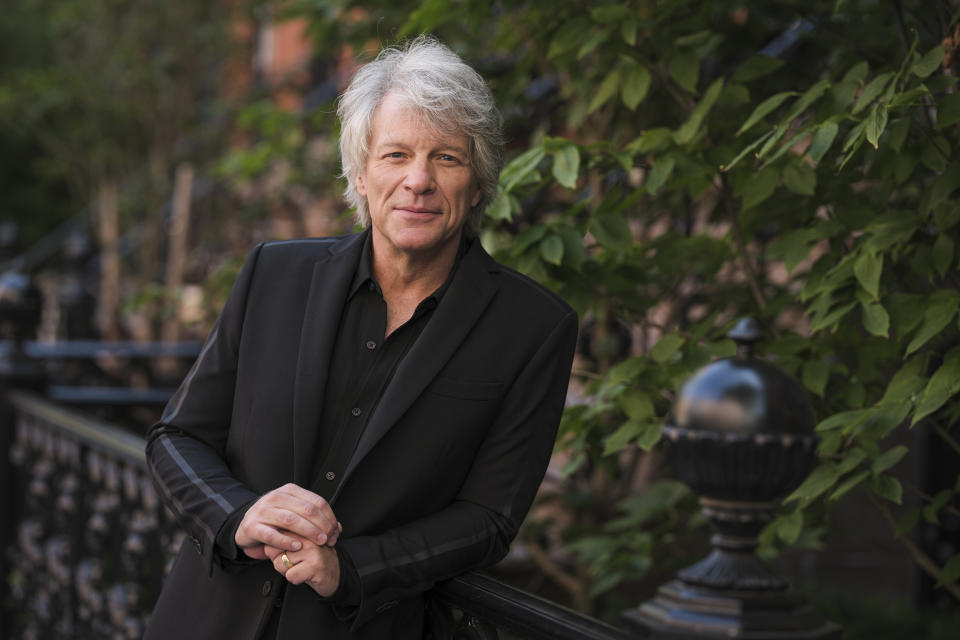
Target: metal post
{"type": "Point", "coordinates": [741, 437]}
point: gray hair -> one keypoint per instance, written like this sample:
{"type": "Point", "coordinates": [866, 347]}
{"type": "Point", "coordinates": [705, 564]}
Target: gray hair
{"type": "Point", "coordinates": [442, 89]}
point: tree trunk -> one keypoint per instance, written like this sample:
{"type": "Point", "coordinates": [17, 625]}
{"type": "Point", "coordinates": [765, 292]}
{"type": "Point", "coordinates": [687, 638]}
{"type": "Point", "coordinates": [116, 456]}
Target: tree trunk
{"type": "Point", "coordinates": [177, 250]}
{"type": "Point", "coordinates": [108, 231]}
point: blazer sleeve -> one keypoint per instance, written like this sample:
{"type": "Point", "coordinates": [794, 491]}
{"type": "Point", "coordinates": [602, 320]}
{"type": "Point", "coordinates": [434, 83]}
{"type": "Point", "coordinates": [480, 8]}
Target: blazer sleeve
{"type": "Point", "coordinates": [186, 448]}
{"type": "Point", "coordinates": [477, 528]}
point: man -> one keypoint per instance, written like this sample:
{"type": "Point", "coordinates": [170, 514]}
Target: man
{"type": "Point", "coordinates": [372, 413]}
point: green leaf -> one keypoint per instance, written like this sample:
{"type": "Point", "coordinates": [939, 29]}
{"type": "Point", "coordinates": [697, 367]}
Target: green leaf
{"type": "Point", "coordinates": [800, 178]}
{"type": "Point", "coordinates": [666, 347]}
{"type": "Point", "coordinates": [906, 382]}
{"type": "Point", "coordinates": [749, 148]}
{"type": "Point", "coordinates": [872, 90]}
{"type": "Point", "coordinates": [876, 123]}
{"type": "Point", "coordinates": [626, 371]}
{"type": "Point", "coordinates": [646, 434]}
{"type": "Point", "coordinates": [898, 133]}
{"type": "Point", "coordinates": [610, 13]}
{"type": "Point", "coordinates": [930, 511]}
{"type": "Point", "coordinates": [689, 129]}
{"type": "Point", "coordinates": [628, 31]}
{"type": "Point", "coordinates": [822, 140]}
{"type": "Point", "coordinates": [763, 109]}
{"type": "Point", "coordinates": [867, 268]}
{"type": "Point", "coordinates": [571, 34]}
{"type": "Point", "coordinates": [844, 419]}
{"type": "Point", "coordinates": [636, 404]}
{"type": "Point", "coordinates": [942, 253]}
{"type": "Point", "coordinates": [943, 385]}
{"type": "Point", "coordinates": [635, 86]}
{"type": "Point", "coordinates": [622, 437]}
{"type": "Point", "coordinates": [611, 230]}
{"type": "Point", "coordinates": [907, 522]}
{"type": "Point", "coordinates": [809, 96]}
{"type": "Point", "coordinates": [520, 167]}
{"type": "Point", "coordinates": [573, 252]}
{"type": "Point", "coordinates": [857, 73]}
{"type": "Point", "coordinates": [551, 249]}
{"type": "Point", "coordinates": [760, 186]}
{"type": "Point", "coordinates": [789, 526]}
{"type": "Point", "coordinates": [815, 376]}
{"type": "Point", "coordinates": [499, 208]}
{"type": "Point", "coordinates": [685, 70]}
{"type": "Point", "coordinates": [650, 435]}
{"type": "Point", "coordinates": [887, 487]}
{"type": "Point", "coordinates": [608, 89]}
{"type": "Point", "coordinates": [820, 479]}
{"type": "Point", "coordinates": [950, 572]}
{"type": "Point", "coordinates": [849, 484]}
{"type": "Point", "coordinates": [828, 320]}
{"type": "Point", "coordinates": [929, 62]}
{"type": "Point", "coordinates": [756, 67]}
{"type": "Point", "coordinates": [940, 309]}
{"type": "Point", "coordinates": [795, 246]}
{"type": "Point", "coordinates": [948, 111]}
{"type": "Point", "coordinates": [652, 140]}
{"type": "Point", "coordinates": [943, 186]}
{"type": "Point", "coordinates": [566, 166]}
{"type": "Point", "coordinates": [659, 174]}
{"type": "Point", "coordinates": [595, 40]}
{"type": "Point", "coordinates": [888, 458]}
{"type": "Point", "coordinates": [876, 320]}
{"type": "Point", "coordinates": [851, 460]}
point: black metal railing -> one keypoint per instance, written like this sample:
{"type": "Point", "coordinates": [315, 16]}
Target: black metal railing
{"type": "Point", "coordinates": [89, 543]}
{"type": "Point", "coordinates": [87, 540]}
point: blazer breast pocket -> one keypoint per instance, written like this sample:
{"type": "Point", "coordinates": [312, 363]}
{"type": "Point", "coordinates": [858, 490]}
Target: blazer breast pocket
{"type": "Point", "coordinates": [466, 389]}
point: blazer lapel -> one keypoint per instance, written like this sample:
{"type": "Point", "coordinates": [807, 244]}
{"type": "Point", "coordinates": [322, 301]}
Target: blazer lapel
{"type": "Point", "coordinates": [462, 304]}
{"type": "Point", "coordinates": [329, 284]}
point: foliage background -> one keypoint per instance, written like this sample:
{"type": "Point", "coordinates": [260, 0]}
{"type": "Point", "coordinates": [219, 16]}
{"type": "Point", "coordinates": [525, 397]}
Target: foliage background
{"type": "Point", "coordinates": [675, 165]}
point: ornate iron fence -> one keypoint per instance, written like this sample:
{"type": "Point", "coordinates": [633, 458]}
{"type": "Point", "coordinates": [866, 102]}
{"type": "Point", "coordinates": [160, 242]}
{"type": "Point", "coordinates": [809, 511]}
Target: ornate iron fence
{"type": "Point", "coordinates": [89, 539]}
{"type": "Point", "coordinates": [89, 542]}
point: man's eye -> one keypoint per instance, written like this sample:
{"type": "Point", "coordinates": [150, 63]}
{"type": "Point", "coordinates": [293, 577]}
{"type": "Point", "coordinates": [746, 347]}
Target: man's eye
{"type": "Point", "coordinates": [446, 157]}
{"type": "Point", "coordinates": [395, 154]}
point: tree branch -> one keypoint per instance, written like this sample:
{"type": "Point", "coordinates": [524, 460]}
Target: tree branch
{"type": "Point", "coordinates": [576, 588]}
{"type": "Point", "coordinates": [943, 433]}
{"type": "Point", "coordinates": [748, 268]}
{"type": "Point", "coordinates": [922, 559]}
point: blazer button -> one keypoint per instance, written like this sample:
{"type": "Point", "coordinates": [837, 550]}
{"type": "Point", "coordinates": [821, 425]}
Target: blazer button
{"type": "Point", "coordinates": [356, 412]}
{"type": "Point", "coordinates": [330, 475]}
{"type": "Point", "coordinates": [266, 588]}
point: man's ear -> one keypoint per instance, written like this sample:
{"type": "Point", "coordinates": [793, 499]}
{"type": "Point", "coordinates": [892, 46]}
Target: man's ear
{"type": "Point", "coordinates": [361, 188]}
{"type": "Point", "coordinates": [476, 197]}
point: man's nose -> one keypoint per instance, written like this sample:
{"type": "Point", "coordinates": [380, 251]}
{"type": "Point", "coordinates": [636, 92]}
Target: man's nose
{"type": "Point", "coordinates": [419, 177]}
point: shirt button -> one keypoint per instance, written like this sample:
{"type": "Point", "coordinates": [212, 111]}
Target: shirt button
{"type": "Point", "coordinates": [266, 588]}
{"type": "Point", "coordinates": [371, 345]}
{"type": "Point", "coordinates": [356, 412]}
{"type": "Point", "coordinates": [330, 475]}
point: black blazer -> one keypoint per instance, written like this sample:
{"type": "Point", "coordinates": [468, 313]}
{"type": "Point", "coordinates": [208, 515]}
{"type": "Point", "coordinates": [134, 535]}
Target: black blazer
{"type": "Point", "coordinates": [442, 476]}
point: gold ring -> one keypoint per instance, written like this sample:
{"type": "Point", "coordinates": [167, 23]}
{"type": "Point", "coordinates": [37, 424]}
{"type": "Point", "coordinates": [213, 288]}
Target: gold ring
{"type": "Point", "coordinates": [286, 561]}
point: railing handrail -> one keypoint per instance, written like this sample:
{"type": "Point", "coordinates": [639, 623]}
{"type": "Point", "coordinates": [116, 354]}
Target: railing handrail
{"type": "Point", "coordinates": [529, 616]}
{"type": "Point", "coordinates": [87, 349]}
{"type": "Point", "coordinates": [89, 430]}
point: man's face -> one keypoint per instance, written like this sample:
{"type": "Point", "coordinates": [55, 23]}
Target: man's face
{"type": "Point", "coordinates": [418, 183]}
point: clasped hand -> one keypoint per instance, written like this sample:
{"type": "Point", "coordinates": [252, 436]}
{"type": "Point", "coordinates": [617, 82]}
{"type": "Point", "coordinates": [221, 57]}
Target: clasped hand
{"type": "Point", "coordinates": [293, 522]}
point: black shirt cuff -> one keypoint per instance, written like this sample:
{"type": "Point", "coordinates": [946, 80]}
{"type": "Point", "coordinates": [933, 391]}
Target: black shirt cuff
{"type": "Point", "coordinates": [226, 541]}
{"type": "Point", "coordinates": [349, 591]}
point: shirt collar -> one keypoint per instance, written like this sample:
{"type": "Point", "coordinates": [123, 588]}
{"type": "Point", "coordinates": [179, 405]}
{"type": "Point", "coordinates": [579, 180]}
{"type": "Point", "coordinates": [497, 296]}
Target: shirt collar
{"type": "Point", "coordinates": [364, 273]}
